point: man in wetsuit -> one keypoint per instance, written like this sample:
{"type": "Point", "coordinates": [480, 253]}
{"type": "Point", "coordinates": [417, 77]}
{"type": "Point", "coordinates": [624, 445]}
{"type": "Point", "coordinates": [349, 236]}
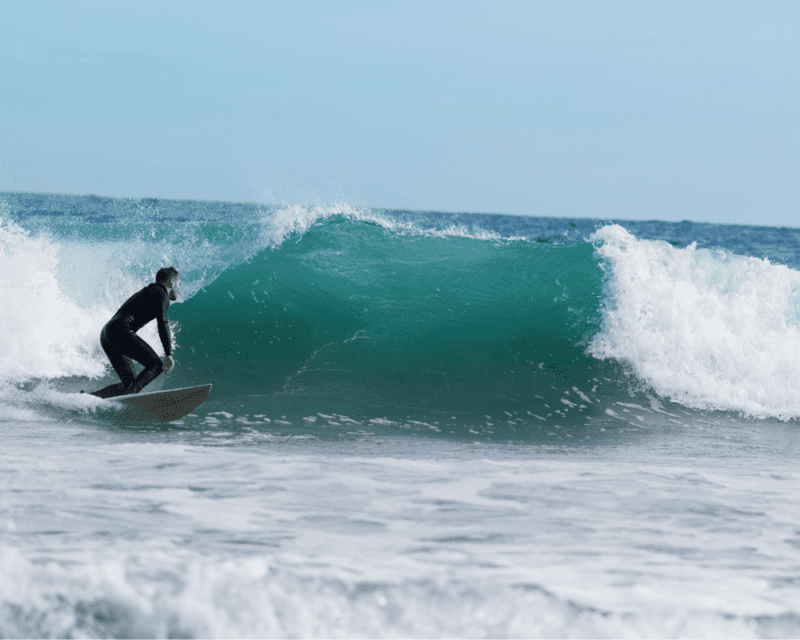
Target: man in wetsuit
{"type": "Point", "coordinates": [121, 344]}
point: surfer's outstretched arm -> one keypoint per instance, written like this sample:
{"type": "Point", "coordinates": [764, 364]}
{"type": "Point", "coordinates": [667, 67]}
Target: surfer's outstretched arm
{"type": "Point", "coordinates": [163, 323]}
{"type": "Point", "coordinates": [163, 326]}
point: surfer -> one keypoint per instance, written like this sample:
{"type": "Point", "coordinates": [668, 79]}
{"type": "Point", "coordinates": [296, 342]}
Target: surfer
{"type": "Point", "coordinates": [121, 344]}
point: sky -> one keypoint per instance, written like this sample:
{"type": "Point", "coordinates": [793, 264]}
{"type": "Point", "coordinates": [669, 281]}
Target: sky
{"type": "Point", "coordinates": [631, 110]}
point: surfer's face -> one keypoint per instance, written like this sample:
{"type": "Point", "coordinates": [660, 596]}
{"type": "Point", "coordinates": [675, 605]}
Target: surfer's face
{"type": "Point", "coordinates": [174, 286]}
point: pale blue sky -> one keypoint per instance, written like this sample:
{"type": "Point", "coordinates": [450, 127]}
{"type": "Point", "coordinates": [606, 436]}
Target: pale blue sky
{"type": "Point", "coordinates": [586, 109]}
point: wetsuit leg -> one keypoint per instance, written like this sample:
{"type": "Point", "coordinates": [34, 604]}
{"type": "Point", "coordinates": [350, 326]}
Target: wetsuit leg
{"type": "Point", "coordinates": [111, 338]}
{"type": "Point", "coordinates": [120, 345]}
{"type": "Point", "coordinates": [146, 377]}
{"type": "Point", "coordinates": [143, 353]}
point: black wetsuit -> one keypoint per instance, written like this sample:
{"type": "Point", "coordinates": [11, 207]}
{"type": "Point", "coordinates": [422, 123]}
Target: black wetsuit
{"type": "Point", "coordinates": [121, 344]}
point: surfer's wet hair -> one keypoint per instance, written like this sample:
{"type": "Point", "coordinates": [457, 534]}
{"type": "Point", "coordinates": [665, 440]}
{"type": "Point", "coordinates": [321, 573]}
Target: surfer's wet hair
{"type": "Point", "coordinates": [165, 273]}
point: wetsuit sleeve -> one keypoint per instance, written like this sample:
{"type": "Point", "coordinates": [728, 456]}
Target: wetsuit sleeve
{"type": "Point", "coordinates": [163, 326]}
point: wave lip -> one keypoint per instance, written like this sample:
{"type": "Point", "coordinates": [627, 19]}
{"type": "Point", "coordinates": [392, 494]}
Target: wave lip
{"type": "Point", "coordinates": [705, 328]}
{"type": "Point", "coordinates": [293, 220]}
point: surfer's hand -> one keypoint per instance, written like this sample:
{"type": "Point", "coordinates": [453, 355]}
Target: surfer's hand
{"type": "Point", "coordinates": [167, 364]}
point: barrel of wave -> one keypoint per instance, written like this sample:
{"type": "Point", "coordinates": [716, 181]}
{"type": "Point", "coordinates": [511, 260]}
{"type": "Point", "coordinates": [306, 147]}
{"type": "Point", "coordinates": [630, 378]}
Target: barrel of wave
{"type": "Point", "coordinates": [353, 317]}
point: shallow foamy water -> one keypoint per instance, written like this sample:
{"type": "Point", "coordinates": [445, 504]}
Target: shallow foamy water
{"type": "Point", "coordinates": [240, 531]}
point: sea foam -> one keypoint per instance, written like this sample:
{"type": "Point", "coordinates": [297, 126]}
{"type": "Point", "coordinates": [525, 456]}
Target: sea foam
{"type": "Point", "coordinates": [43, 332]}
{"type": "Point", "coordinates": [706, 328]}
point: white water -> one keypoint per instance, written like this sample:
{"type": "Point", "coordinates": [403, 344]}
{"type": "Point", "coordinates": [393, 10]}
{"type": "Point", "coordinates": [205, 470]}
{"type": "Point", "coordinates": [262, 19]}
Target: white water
{"type": "Point", "coordinates": [705, 328]}
{"type": "Point", "coordinates": [232, 531]}
{"type": "Point", "coordinates": [43, 332]}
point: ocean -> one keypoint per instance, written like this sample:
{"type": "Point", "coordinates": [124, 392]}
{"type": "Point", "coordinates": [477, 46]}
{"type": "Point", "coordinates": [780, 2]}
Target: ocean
{"type": "Point", "coordinates": [422, 424]}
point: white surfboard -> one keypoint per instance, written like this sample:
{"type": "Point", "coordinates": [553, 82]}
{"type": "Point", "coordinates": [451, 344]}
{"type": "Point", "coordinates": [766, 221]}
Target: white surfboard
{"type": "Point", "coordinates": [168, 405]}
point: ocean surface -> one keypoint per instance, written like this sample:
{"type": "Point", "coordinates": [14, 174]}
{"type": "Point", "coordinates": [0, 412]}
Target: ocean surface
{"type": "Point", "coordinates": [421, 424]}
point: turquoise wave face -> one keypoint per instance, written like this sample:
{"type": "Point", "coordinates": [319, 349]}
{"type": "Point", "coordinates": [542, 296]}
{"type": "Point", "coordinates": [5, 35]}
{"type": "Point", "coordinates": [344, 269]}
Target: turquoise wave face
{"type": "Point", "coordinates": [352, 318]}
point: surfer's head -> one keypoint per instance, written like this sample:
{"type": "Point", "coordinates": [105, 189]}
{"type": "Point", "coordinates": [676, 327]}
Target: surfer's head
{"type": "Point", "coordinates": [170, 277]}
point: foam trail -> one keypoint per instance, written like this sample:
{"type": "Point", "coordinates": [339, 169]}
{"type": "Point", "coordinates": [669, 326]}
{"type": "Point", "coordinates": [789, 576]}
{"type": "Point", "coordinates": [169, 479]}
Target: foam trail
{"type": "Point", "coordinates": [705, 328]}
